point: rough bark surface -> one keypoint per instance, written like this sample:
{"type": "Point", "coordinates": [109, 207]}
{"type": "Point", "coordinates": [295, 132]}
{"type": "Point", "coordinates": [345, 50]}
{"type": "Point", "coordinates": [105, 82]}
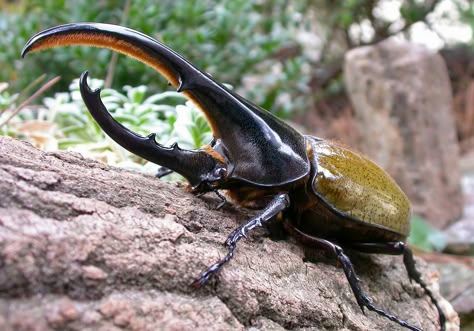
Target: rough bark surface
{"type": "Point", "coordinates": [84, 246]}
{"type": "Point", "coordinates": [403, 104]}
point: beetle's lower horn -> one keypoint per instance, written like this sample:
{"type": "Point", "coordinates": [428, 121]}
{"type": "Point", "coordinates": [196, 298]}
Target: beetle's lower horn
{"type": "Point", "coordinates": [192, 164]}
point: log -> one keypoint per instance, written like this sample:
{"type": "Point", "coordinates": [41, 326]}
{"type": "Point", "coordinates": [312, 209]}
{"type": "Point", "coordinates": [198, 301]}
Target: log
{"type": "Point", "coordinates": [86, 246]}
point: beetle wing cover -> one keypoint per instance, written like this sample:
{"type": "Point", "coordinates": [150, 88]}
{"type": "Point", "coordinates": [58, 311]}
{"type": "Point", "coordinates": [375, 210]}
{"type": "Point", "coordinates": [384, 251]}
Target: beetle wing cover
{"type": "Point", "coordinates": [356, 187]}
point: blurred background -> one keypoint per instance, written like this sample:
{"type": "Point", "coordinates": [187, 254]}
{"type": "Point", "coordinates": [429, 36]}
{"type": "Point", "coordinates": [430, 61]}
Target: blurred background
{"type": "Point", "coordinates": [391, 78]}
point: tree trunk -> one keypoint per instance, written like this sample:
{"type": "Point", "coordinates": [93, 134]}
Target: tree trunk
{"type": "Point", "coordinates": [84, 246]}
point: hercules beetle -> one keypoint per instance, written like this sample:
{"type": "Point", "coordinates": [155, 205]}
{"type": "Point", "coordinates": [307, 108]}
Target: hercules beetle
{"type": "Point", "coordinates": [327, 195]}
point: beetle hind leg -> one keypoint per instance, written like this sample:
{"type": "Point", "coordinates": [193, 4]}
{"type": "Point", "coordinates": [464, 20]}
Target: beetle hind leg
{"type": "Point", "coordinates": [362, 298]}
{"type": "Point", "coordinates": [400, 248]}
{"type": "Point", "coordinates": [279, 203]}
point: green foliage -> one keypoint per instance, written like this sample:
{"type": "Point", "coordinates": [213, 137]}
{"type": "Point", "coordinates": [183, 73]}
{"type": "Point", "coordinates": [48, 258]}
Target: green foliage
{"type": "Point", "coordinates": [228, 39]}
{"type": "Point", "coordinates": [278, 97]}
{"type": "Point", "coordinates": [63, 122]}
{"type": "Point", "coordinates": [347, 14]}
{"type": "Point", "coordinates": [425, 236]}
{"type": "Point", "coordinates": [6, 98]}
{"type": "Point", "coordinates": [466, 11]}
{"type": "Point", "coordinates": [413, 12]}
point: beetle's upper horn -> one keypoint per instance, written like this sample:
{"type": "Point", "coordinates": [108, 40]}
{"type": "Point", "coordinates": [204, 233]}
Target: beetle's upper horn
{"type": "Point", "coordinates": [250, 137]}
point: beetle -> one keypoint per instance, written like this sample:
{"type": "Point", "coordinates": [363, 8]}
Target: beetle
{"type": "Point", "coordinates": [326, 195]}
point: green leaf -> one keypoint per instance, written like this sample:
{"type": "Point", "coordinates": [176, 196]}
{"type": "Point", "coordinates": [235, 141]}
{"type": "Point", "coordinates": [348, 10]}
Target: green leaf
{"type": "Point", "coordinates": [425, 236]}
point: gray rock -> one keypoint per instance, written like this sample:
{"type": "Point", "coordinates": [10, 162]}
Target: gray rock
{"type": "Point", "coordinates": [402, 100]}
{"type": "Point", "coordinates": [460, 237]}
{"type": "Point", "coordinates": [457, 285]}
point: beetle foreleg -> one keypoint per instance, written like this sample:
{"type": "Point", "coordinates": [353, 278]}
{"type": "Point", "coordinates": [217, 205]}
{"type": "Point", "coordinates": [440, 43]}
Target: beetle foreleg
{"type": "Point", "coordinates": [223, 200]}
{"type": "Point", "coordinates": [219, 195]}
{"type": "Point", "coordinates": [162, 172]}
{"type": "Point", "coordinates": [400, 248]}
{"type": "Point", "coordinates": [277, 205]}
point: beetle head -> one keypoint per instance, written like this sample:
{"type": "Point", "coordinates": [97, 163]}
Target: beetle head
{"type": "Point", "coordinates": [250, 144]}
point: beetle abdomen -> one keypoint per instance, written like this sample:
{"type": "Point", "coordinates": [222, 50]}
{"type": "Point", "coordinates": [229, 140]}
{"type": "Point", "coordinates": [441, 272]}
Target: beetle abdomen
{"type": "Point", "coordinates": [358, 189]}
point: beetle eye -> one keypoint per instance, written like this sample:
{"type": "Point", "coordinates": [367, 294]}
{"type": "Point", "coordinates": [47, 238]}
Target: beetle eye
{"type": "Point", "coordinates": [217, 174]}
{"type": "Point", "coordinates": [220, 172]}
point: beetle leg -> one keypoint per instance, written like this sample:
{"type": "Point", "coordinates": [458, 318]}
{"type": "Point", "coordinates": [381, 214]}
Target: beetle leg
{"type": "Point", "coordinates": [219, 195]}
{"type": "Point", "coordinates": [223, 200]}
{"type": "Point", "coordinates": [362, 298]}
{"type": "Point", "coordinates": [162, 172]}
{"type": "Point", "coordinates": [400, 248]}
{"type": "Point", "coordinates": [276, 205]}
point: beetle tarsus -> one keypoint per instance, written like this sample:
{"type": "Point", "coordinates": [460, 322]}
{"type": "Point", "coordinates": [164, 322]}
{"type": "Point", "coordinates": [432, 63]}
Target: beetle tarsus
{"type": "Point", "coordinates": [219, 195]}
{"type": "Point", "coordinates": [277, 205]}
{"type": "Point", "coordinates": [414, 274]}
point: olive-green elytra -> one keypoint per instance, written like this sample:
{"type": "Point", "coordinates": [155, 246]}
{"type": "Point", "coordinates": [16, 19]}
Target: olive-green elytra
{"type": "Point", "coordinates": [358, 188]}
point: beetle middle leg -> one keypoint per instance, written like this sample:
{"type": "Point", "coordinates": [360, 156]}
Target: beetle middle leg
{"type": "Point", "coordinates": [362, 298]}
{"type": "Point", "coordinates": [279, 203]}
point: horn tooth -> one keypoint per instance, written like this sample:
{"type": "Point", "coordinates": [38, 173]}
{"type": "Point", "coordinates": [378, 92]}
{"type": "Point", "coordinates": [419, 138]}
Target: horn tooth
{"type": "Point", "coordinates": [188, 81]}
{"type": "Point", "coordinates": [184, 85]}
{"type": "Point", "coordinates": [152, 137]}
{"type": "Point", "coordinates": [181, 86]}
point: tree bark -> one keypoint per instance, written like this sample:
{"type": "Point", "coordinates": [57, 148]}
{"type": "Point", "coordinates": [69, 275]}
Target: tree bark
{"type": "Point", "coordinates": [85, 246]}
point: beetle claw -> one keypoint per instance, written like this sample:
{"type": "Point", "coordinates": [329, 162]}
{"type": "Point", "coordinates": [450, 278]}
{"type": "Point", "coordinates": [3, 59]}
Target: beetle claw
{"type": "Point", "coordinates": [278, 204]}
